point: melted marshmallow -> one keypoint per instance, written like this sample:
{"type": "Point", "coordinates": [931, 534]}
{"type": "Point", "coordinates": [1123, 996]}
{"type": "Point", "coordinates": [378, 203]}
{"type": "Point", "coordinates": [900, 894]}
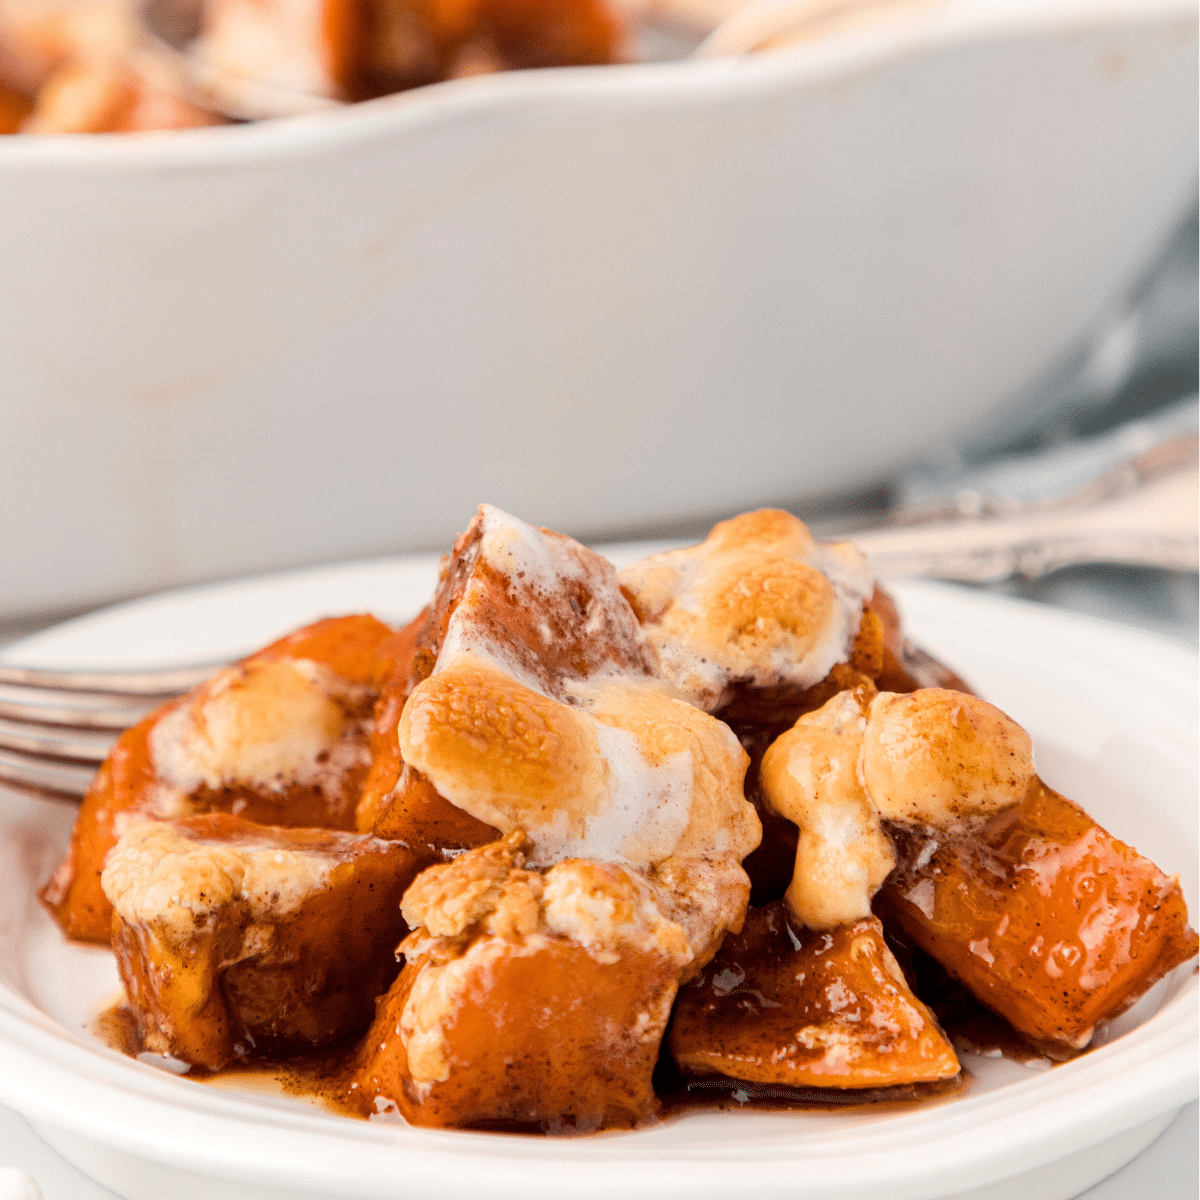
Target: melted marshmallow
{"type": "Point", "coordinates": [759, 603]}
{"type": "Point", "coordinates": [469, 915]}
{"type": "Point", "coordinates": [568, 736]}
{"type": "Point", "coordinates": [933, 758]}
{"type": "Point", "coordinates": [267, 725]}
{"type": "Point", "coordinates": [157, 875]}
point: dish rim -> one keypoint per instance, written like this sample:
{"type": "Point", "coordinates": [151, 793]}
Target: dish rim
{"type": "Point", "coordinates": [692, 81]}
{"type": "Point", "coordinates": [61, 1079]}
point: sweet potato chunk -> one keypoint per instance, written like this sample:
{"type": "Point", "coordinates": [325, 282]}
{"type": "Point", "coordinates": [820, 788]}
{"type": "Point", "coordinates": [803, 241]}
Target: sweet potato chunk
{"type": "Point", "coordinates": [1047, 918]}
{"type": "Point", "coordinates": [553, 1040]}
{"type": "Point", "coordinates": [233, 938]}
{"type": "Point", "coordinates": [527, 999]}
{"type": "Point", "coordinates": [793, 1006]}
{"type": "Point", "coordinates": [352, 49]}
{"type": "Point", "coordinates": [234, 745]}
{"type": "Point", "coordinates": [14, 108]}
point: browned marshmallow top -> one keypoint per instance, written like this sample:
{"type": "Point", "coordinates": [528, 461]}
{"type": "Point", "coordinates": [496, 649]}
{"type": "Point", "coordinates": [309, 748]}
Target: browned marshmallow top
{"type": "Point", "coordinates": [266, 725]}
{"type": "Point", "coordinates": [759, 602]}
{"type": "Point", "coordinates": [933, 757]}
{"type": "Point", "coordinates": [542, 713]}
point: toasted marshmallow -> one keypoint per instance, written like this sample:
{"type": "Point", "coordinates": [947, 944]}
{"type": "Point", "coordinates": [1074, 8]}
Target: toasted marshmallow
{"type": "Point", "coordinates": [635, 777]}
{"type": "Point", "coordinates": [267, 725]}
{"type": "Point", "coordinates": [542, 716]}
{"type": "Point", "coordinates": [543, 713]}
{"type": "Point", "coordinates": [486, 907]}
{"type": "Point", "coordinates": [936, 757]}
{"type": "Point", "coordinates": [933, 757]}
{"type": "Point", "coordinates": [758, 603]}
{"type": "Point", "coordinates": [156, 875]}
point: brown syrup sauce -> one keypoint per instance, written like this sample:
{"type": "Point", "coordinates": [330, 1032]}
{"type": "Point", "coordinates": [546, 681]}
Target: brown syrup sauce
{"type": "Point", "coordinates": [717, 1094]}
{"type": "Point", "coordinates": [321, 1077]}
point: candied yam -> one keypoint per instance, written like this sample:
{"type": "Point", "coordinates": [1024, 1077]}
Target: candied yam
{"type": "Point", "coordinates": [547, 610]}
{"type": "Point", "coordinates": [530, 998]}
{"type": "Point", "coordinates": [349, 646]}
{"type": "Point", "coordinates": [416, 813]}
{"type": "Point", "coordinates": [406, 43]}
{"type": "Point", "coordinates": [1048, 919]}
{"type": "Point", "coordinates": [935, 757]}
{"type": "Point", "coordinates": [782, 1004]}
{"type": "Point", "coordinates": [14, 108]}
{"type": "Point", "coordinates": [536, 1036]}
{"type": "Point", "coordinates": [537, 708]}
{"type": "Point", "coordinates": [123, 787]}
{"type": "Point", "coordinates": [187, 756]}
{"type": "Point", "coordinates": [552, 33]}
{"type": "Point", "coordinates": [233, 938]}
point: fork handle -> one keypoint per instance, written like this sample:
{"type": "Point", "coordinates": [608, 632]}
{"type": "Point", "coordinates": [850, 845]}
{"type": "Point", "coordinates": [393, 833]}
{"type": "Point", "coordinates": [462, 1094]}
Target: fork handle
{"type": "Point", "coordinates": [1154, 526]}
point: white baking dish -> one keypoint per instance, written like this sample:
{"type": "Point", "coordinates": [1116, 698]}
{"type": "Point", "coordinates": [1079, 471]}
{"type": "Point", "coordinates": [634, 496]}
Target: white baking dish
{"type": "Point", "coordinates": [607, 298]}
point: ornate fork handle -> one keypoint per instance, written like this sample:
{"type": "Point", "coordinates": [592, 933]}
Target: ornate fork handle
{"type": "Point", "coordinates": [1151, 522]}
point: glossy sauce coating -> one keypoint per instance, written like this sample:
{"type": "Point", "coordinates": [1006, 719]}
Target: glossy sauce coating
{"type": "Point", "coordinates": [547, 1041]}
{"type": "Point", "coordinates": [1046, 917]}
{"type": "Point", "coordinates": [535, 996]}
{"type": "Point", "coordinates": [801, 1008]}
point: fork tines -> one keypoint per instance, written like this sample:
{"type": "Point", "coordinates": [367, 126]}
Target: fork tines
{"type": "Point", "coordinates": [56, 727]}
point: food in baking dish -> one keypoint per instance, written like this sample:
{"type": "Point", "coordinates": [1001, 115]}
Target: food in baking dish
{"type": "Point", "coordinates": [574, 839]}
{"type": "Point", "coordinates": [84, 67]}
{"type": "Point", "coordinates": [89, 66]}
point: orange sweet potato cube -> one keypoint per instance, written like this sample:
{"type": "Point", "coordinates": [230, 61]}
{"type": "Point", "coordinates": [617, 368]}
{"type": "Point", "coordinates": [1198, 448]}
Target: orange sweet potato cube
{"type": "Point", "coordinates": [528, 999]}
{"type": "Point", "coordinates": [807, 1008]}
{"type": "Point", "coordinates": [233, 938]}
{"type": "Point", "coordinates": [552, 1040]}
{"type": "Point", "coordinates": [1047, 918]}
{"type": "Point", "coordinates": [132, 783]}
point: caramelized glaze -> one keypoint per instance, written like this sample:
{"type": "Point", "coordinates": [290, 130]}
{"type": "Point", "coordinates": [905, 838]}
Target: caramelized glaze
{"type": "Point", "coordinates": [575, 847]}
{"type": "Point", "coordinates": [1048, 919]}
{"type": "Point", "coordinates": [220, 962]}
{"type": "Point", "coordinates": [781, 1004]}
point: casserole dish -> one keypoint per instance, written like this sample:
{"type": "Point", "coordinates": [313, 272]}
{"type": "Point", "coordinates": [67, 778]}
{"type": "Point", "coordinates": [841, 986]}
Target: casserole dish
{"type": "Point", "coordinates": [615, 296]}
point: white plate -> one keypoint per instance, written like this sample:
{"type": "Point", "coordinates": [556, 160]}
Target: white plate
{"type": "Point", "coordinates": [1114, 717]}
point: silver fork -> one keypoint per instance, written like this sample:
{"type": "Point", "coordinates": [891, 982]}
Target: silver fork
{"type": "Point", "coordinates": [56, 727]}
